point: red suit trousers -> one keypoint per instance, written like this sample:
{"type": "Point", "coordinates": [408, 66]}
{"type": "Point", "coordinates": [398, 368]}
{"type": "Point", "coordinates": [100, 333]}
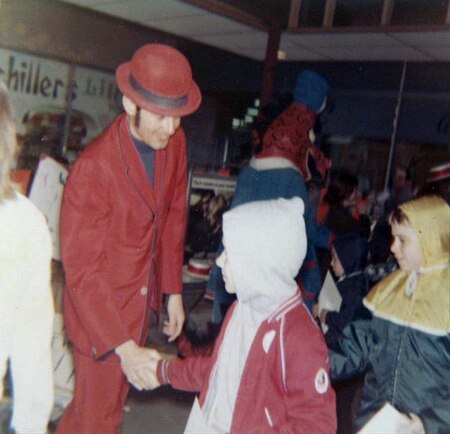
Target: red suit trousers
{"type": "Point", "coordinates": [100, 393]}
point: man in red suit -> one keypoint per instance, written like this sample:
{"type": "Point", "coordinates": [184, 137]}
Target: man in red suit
{"type": "Point", "coordinates": [122, 231]}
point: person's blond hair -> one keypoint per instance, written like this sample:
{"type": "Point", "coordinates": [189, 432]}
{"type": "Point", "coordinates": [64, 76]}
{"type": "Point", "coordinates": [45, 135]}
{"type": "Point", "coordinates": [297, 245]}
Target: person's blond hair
{"type": "Point", "coordinates": [8, 143]}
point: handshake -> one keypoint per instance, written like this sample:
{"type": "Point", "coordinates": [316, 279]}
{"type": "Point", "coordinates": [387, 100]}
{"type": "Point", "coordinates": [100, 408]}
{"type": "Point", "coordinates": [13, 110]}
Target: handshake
{"type": "Point", "coordinates": [139, 365]}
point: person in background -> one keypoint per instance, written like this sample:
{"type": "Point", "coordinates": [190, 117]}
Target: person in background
{"type": "Point", "coordinates": [401, 191]}
{"type": "Point", "coordinates": [336, 212]}
{"type": "Point", "coordinates": [122, 234]}
{"type": "Point", "coordinates": [268, 372]}
{"type": "Point", "coordinates": [348, 260]}
{"type": "Point", "coordinates": [280, 170]}
{"type": "Point", "coordinates": [438, 182]}
{"type": "Point", "coordinates": [404, 349]}
{"type": "Point", "coordinates": [380, 238]}
{"type": "Point", "coordinates": [26, 302]}
{"type": "Point", "coordinates": [337, 205]}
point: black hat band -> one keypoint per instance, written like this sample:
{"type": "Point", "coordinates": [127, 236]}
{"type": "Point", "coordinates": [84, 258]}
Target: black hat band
{"type": "Point", "coordinates": [162, 101]}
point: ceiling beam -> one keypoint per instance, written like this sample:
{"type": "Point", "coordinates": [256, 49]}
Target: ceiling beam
{"type": "Point", "coordinates": [371, 29]}
{"type": "Point", "coordinates": [228, 11]}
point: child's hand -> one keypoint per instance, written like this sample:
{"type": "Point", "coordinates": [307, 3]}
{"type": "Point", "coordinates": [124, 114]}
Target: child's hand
{"type": "Point", "coordinates": [416, 425]}
{"type": "Point", "coordinates": [315, 311]}
{"type": "Point", "coordinates": [139, 365]}
{"type": "Point", "coordinates": [323, 316]}
{"type": "Point", "coordinates": [410, 424]}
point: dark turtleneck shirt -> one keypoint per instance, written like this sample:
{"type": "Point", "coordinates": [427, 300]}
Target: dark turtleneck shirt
{"type": "Point", "coordinates": [147, 155]}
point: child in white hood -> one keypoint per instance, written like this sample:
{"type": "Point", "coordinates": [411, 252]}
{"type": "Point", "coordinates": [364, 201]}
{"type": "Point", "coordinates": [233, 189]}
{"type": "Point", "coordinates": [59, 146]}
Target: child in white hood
{"type": "Point", "coordinates": [269, 370]}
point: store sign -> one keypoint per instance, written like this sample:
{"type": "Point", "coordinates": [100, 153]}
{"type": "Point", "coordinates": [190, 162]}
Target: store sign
{"type": "Point", "coordinates": [44, 93]}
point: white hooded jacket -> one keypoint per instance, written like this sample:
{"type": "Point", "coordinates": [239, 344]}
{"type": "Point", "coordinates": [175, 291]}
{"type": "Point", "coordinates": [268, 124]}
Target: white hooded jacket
{"type": "Point", "coordinates": [265, 243]}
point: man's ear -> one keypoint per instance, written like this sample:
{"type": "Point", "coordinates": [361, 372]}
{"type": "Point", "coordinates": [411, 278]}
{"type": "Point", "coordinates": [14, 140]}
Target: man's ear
{"type": "Point", "coordinates": [129, 106]}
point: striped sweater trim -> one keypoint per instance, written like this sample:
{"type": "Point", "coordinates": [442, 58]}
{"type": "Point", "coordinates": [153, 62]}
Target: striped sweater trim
{"type": "Point", "coordinates": [163, 371]}
{"type": "Point", "coordinates": [286, 307]}
{"type": "Point", "coordinates": [282, 352]}
{"type": "Point", "coordinates": [308, 265]}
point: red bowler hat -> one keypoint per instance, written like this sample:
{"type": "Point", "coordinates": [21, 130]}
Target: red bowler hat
{"type": "Point", "coordinates": [159, 79]}
{"type": "Point", "coordinates": [438, 173]}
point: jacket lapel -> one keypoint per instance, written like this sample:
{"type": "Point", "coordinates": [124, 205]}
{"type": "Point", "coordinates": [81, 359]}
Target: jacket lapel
{"type": "Point", "coordinates": [135, 170]}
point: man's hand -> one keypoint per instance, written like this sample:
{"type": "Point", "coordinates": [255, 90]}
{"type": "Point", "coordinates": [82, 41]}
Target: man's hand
{"type": "Point", "coordinates": [172, 328]}
{"type": "Point", "coordinates": [139, 365]}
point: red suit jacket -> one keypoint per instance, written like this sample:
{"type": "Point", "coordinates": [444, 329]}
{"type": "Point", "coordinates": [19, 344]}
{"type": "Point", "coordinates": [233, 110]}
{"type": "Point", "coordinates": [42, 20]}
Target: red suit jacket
{"type": "Point", "coordinates": [121, 240]}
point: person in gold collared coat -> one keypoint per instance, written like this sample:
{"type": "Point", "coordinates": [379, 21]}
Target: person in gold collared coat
{"type": "Point", "coordinates": [405, 348]}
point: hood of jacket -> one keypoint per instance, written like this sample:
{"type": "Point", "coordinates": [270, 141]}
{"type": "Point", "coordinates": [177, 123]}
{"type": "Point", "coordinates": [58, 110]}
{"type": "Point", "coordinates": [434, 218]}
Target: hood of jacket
{"type": "Point", "coordinates": [425, 308]}
{"type": "Point", "coordinates": [266, 244]}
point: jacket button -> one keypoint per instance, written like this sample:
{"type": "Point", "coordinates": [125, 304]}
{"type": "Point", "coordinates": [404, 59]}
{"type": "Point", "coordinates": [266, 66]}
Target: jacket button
{"type": "Point", "coordinates": [94, 352]}
{"type": "Point", "coordinates": [144, 290]}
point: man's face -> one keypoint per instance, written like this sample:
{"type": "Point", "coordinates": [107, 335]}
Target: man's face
{"type": "Point", "coordinates": [153, 129]}
{"type": "Point", "coordinates": [406, 247]}
{"type": "Point", "coordinates": [156, 130]}
{"type": "Point", "coordinates": [399, 182]}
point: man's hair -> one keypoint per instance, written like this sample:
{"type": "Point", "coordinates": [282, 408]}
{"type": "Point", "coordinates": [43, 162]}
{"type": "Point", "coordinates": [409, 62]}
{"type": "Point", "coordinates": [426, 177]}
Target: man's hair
{"type": "Point", "coordinates": [137, 117]}
{"type": "Point", "coordinates": [8, 143]}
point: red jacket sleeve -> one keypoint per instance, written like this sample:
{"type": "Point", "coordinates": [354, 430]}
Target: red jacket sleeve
{"type": "Point", "coordinates": [172, 242]}
{"type": "Point", "coordinates": [185, 374]}
{"type": "Point", "coordinates": [311, 403]}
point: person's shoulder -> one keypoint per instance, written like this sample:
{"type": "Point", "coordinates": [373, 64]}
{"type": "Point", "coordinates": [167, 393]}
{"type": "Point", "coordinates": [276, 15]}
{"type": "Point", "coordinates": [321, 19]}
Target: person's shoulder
{"type": "Point", "coordinates": [20, 206]}
{"type": "Point", "coordinates": [21, 218]}
{"type": "Point", "coordinates": [300, 324]}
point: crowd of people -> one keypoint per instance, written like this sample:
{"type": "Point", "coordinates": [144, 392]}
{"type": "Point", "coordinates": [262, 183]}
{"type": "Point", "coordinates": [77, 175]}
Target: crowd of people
{"type": "Point", "coordinates": [274, 367]}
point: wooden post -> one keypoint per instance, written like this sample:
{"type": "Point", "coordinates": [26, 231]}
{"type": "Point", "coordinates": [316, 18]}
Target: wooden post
{"type": "Point", "coordinates": [386, 14]}
{"type": "Point", "coordinates": [294, 13]}
{"type": "Point", "coordinates": [328, 15]}
{"type": "Point", "coordinates": [270, 64]}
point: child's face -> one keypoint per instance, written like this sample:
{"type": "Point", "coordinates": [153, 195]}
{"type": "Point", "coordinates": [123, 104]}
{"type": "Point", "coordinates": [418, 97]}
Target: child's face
{"type": "Point", "coordinates": [222, 262]}
{"type": "Point", "coordinates": [336, 264]}
{"type": "Point", "coordinates": [406, 247]}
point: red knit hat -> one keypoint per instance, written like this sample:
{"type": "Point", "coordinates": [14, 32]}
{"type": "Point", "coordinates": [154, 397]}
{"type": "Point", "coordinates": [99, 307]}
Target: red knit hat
{"type": "Point", "coordinates": [159, 79]}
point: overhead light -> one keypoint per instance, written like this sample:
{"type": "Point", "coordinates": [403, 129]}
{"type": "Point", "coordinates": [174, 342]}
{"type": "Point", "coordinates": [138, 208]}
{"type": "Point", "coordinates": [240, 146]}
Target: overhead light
{"type": "Point", "coordinates": [281, 55]}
